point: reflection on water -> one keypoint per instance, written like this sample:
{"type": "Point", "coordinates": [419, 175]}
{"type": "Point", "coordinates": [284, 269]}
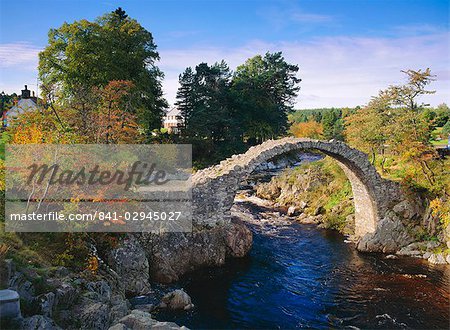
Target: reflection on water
{"type": "Point", "coordinates": [299, 276]}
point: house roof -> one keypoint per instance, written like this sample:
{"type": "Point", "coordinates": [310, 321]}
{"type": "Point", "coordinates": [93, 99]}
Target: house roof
{"type": "Point", "coordinates": [173, 112]}
{"type": "Point", "coordinates": [22, 106]}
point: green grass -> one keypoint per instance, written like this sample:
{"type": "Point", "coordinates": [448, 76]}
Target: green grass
{"type": "Point", "coordinates": [441, 143]}
{"type": "Point", "coordinates": [438, 139]}
{"type": "Point", "coordinates": [339, 196]}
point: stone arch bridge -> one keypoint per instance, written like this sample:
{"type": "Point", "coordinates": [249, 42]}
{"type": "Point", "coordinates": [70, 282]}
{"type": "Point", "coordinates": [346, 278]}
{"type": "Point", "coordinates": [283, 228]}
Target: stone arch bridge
{"type": "Point", "coordinates": [379, 204]}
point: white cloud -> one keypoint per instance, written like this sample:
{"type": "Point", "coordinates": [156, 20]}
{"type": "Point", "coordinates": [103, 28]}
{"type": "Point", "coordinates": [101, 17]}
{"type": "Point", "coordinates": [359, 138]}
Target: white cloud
{"type": "Point", "coordinates": [20, 55]}
{"type": "Point", "coordinates": [341, 71]}
{"type": "Point", "coordinates": [415, 29]}
{"type": "Point", "coordinates": [18, 66]}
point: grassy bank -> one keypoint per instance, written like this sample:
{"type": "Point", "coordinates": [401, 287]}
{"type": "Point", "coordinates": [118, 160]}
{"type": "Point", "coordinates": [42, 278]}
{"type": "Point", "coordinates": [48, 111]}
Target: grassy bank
{"type": "Point", "coordinates": [317, 188]}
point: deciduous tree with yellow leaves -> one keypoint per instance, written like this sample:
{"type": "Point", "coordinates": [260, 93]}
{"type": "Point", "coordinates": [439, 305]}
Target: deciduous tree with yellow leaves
{"type": "Point", "coordinates": [310, 129]}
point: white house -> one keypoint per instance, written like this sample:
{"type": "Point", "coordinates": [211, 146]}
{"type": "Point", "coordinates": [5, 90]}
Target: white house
{"type": "Point", "coordinates": [173, 120]}
{"type": "Point", "coordinates": [25, 103]}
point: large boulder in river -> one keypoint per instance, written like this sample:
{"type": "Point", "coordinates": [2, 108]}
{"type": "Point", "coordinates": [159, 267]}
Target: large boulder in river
{"type": "Point", "coordinates": [139, 320]}
{"type": "Point", "coordinates": [177, 299]}
{"type": "Point", "coordinates": [390, 236]}
{"type": "Point", "coordinates": [174, 254]}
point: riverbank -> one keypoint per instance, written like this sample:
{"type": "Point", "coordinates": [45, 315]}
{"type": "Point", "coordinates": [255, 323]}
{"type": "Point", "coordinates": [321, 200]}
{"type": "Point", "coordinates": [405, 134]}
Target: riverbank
{"type": "Point", "coordinates": [63, 299]}
{"type": "Point", "coordinates": [98, 297]}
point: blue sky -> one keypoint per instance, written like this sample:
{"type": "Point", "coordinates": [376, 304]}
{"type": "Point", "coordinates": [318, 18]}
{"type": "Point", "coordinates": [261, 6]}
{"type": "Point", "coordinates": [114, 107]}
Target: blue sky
{"type": "Point", "coordinates": [346, 50]}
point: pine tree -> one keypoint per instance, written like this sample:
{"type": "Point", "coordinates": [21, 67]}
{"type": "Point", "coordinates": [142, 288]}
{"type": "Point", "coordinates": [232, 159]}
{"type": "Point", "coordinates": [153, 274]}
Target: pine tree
{"type": "Point", "coordinates": [185, 95]}
{"type": "Point", "coordinates": [120, 13]}
{"type": "Point", "coordinates": [333, 127]}
{"type": "Point", "coordinates": [446, 128]}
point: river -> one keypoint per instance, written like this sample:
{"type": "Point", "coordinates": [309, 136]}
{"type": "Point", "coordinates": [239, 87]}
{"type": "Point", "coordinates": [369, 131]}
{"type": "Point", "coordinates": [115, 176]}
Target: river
{"type": "Point", "coordinates": [301, 276]}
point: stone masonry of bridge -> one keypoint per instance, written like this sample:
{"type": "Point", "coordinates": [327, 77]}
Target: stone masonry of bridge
{"type": "Point", "coordinates": [381, 208]}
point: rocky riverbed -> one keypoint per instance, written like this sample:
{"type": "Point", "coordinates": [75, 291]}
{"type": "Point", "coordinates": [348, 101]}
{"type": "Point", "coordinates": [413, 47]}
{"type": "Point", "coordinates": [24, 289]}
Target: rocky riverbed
{"type": "Point", "coordinates": [99, 299]}
{"type": "Point", "coordinates": [66, 300]}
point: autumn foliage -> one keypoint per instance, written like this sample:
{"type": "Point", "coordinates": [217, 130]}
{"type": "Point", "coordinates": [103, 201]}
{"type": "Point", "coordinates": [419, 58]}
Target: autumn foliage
{"type": "Point", "coordinates": [39, 126]}
{"type": "Point", "coordinates": [114, 119]}
{"type": "Point", "coordinates": [101, 115]}
{"type": "Point", "coordinates": [309, 129]}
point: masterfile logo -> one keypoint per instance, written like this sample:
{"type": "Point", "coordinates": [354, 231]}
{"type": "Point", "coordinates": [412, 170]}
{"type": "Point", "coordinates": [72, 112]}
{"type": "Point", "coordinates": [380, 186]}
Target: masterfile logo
{"type": "Point", "coordinates": [140, 173]}
{"type": "Point", "coordinates": [98, 187]}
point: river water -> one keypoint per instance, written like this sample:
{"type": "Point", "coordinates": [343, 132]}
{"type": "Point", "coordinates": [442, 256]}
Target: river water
{"type": "Point", "coordinates": [301, 276]}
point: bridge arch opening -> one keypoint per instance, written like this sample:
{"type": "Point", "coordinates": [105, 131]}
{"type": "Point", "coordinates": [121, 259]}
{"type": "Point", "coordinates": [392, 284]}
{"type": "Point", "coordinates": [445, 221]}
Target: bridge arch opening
{"type": "Point", "coordinates": [215, 187]}
{"type": "Point", "coordinates": [366, 215]}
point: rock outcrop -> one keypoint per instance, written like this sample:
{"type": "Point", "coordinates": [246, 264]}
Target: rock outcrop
{"type": "Point", "coordinates": [389, 238]}
{"type": "Point", "coordinates": [130, 262]}
{"type": "Point", "coordinates": [39, 322]}
{"type": "Point", "coordinates": [238, 239]}
{"type": "Point", "coordinates": [139, 320]}
{"type": "Point", "coordinates": [171, 255]}
{"type": "Point", "coordinates": [66, 298]}
{"type": "Point", "coordinates": [429, 250]}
